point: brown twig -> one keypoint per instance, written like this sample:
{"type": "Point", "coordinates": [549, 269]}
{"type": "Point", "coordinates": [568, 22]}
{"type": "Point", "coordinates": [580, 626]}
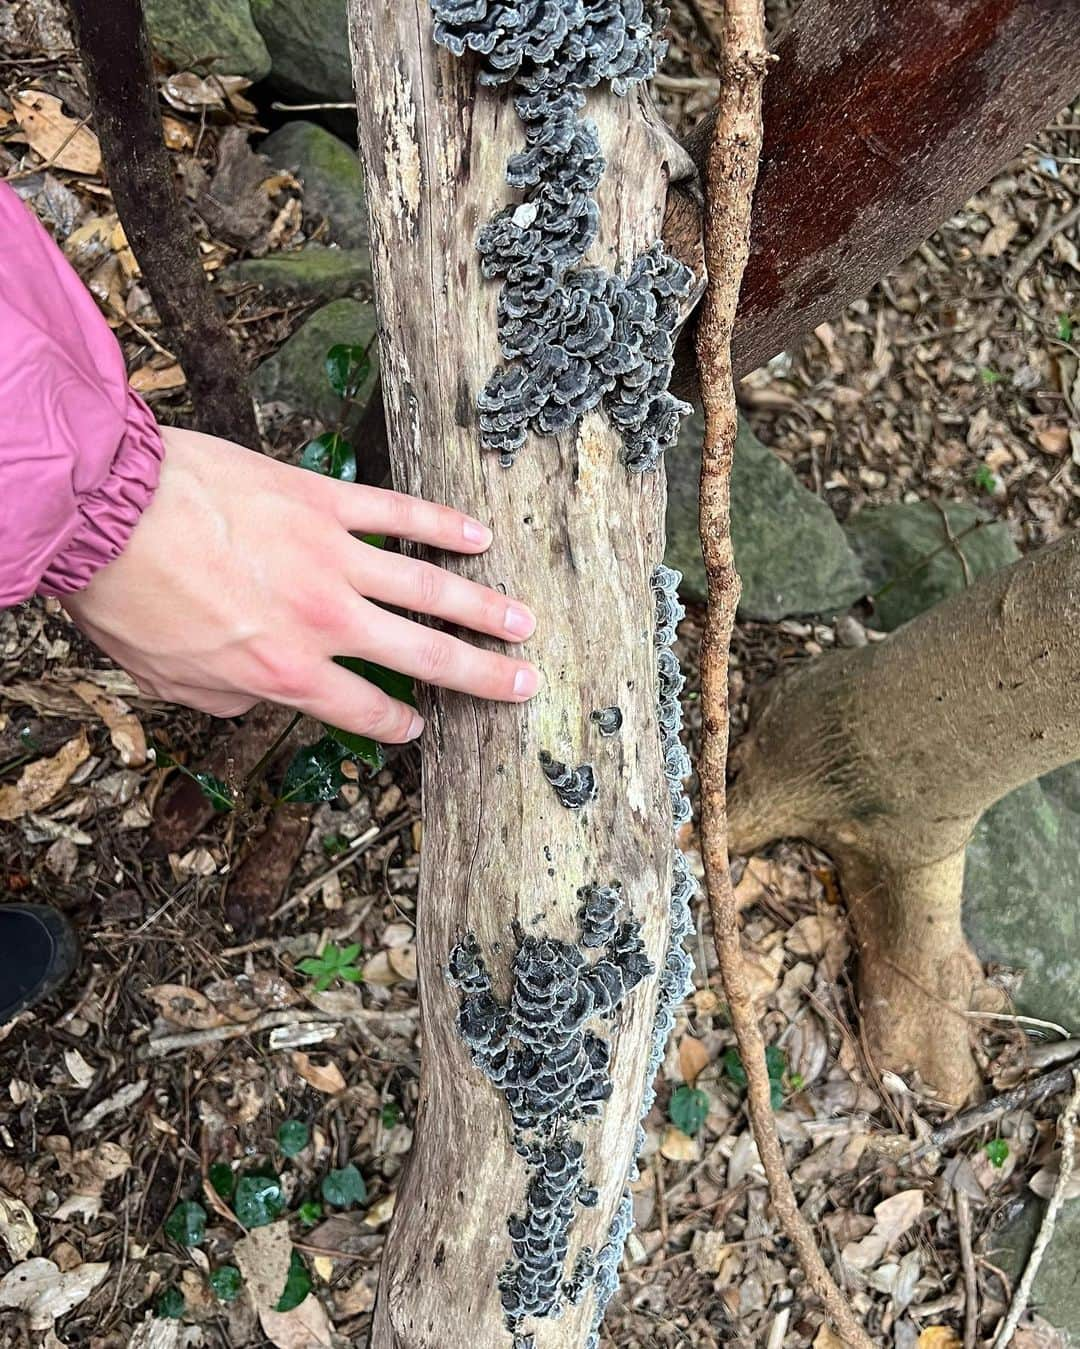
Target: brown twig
{"type": "Point", "coordinates": [967, 1261]}
{"type": "Point", "coordinates": [1046, 1231]}
{"type": "Point", "coordinates": [730, 173]}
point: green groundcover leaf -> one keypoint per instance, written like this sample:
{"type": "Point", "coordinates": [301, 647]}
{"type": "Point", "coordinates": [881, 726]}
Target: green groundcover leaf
{"type": "Point", "coordinates": [331, 455]}
{"type": "Point", "coordinates": [688, 1108]}
{"type": "Point", "coordinates": [347, 366]}
{"type": "Point", "coordinates": [259, 1199]}
{"type": "Point", "coordinates": [223, 1179]}
{"type": "Point", "coordinates": [997, 1150]}
{"type": "Point", "coordinates": [171, 1304]}
{"type": "Point", "coordinates": [226, 1281]}
{"type": "Point", "coordinates": [293, 1137]}
{"type": "Point", "coordinates": [186, 1224]}
{"type": "Point", "coordinates": [344, 1188]}
{"type": "Point", "coordinates": [314, 772]}
{"type": "Point", "coordinates": [297, 1285]}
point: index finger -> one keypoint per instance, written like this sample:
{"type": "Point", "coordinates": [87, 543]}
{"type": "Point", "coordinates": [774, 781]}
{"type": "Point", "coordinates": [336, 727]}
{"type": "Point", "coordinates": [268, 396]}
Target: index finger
{"type": "Point", "coordinates": [375, 510]}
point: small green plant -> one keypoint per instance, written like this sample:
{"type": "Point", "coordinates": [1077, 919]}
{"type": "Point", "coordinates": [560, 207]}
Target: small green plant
{"type": "Point", "coordinates": [389, 1114]}
{"type": "Point", "coordinates": [332, 963]}
{"type": "Point", "coordinates": [310, 1212]}
{"type": "Point", "coordinates": [226, 1283]}
{"type": "Point", "coordinates": [186, 1224]}
{"type": "Point", "coordinates": [985, 479]}
{"type": "Point", "coordinates": [218, 793]}
{"type": "Point", "coordinates": [331, 455]}
{"type": "Point", "coordinates": [293, 1137]}
{"type": "Point", "coordinates": [334, 844]}
{"type": "Point", "coordinates": [998, 1151]}
{"type": "Point", "coordinates": [990, 377]}
{"type": "Point", "coordinates": [688, 1109]}
{"type": "Point", "coordinates": [223, 1179]}
{"type": "Point", "coordinates": [344, 1187]}
{"type": "Point", "coordinates": [171, 1305]}
{"type": "Point", "coordinates": [1065, 328]}
{"type": "Point", "coordinates": [775, 1066]}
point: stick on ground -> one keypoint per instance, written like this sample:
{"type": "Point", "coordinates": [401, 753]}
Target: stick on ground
{"type": "Point", "coordinates": [730, 172]}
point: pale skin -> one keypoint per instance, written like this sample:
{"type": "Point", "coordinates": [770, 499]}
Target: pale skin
{"type": "Point", "coordinates": [243, 579]}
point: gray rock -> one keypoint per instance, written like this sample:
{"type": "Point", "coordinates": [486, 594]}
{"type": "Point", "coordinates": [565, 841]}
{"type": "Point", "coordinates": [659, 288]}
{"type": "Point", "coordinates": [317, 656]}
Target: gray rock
{"type": "Point", "coordinates": [905, 551]}
{"type": "Point", "coordinates": [296, 373]}
{"type": "Point", "coordinates": [790, 551]}
{"type": "Point", "coordinates": [1022, 893]}
{"type": "Point", "coordinates": [1056, 1294]}
{"type": "Point", "coordinates": [206, 35]}
{"type": "Point", "coordinates": [311, 273]}
{"type": "Point", "coordinates": [332, 179]}
{"type": "Point", "coordinates": [309, 47]}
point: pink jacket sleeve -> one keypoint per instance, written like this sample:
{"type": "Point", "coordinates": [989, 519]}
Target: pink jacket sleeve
{"type": "Point", "coordinates": [80, 452]}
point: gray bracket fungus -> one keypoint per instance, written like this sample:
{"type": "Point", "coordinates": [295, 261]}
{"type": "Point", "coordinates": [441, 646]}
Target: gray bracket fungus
{"type": "Point", "coordinates": [575, 787]}
{"type": "Point", "coordinates": [576, 337]}
{"type": "Point", "coordinates": [608, 720]}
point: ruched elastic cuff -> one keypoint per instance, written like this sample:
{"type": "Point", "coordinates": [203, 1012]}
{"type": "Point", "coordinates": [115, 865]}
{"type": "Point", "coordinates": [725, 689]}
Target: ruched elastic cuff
{"type": "Point", "coordinates": [111, 512]}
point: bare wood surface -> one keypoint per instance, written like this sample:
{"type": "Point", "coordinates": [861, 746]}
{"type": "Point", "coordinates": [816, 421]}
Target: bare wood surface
{"type": "Point", "coordinates": [115, 50]}
{"type": "Point", "coordinates": [578, 537]}
{"type": "Point", "coordinates": [730, 169]}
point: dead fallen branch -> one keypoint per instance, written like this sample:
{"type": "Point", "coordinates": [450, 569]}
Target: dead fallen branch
{"type": "Point", "coordinates": [400, 1021]}
{"type": "Point", "coordinates": [730, 172]}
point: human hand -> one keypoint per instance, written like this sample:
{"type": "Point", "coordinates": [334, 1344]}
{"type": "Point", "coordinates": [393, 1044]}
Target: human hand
{"type": "Point", "coordinates": [242, 581]}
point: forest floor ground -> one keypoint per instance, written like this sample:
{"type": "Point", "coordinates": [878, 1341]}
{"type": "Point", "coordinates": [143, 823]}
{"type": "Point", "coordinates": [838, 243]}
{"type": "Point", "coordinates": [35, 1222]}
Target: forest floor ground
{"type": "Point", "coordinates": [189, 1035]}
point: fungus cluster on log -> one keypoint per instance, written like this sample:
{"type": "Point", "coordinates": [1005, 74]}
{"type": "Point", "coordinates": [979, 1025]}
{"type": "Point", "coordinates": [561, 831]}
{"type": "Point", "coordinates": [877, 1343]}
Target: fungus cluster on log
{"type": "Point", "coordinates": [576, 337]}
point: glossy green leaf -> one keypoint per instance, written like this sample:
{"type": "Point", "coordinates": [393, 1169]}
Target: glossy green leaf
{"type": "Point", "coordinates": [344, 1188]}
{"type": "Point", "coordinates": [223, 1179]}
{"type": "Point", "coordinates": [334, 844]}
{"type": "Point", "coordinates": [293, 1137]}
{"type": "Point", "coordinates": [218, 793]}
{"type": "Point", "coordinates": [171, 1304]}
{"type": "Point", "coordinates": [997, 1150]}
{"type": "Point", "coordinates": [186, 1224]}
{"type": "Point", "coordinates": [347, 366]}
{"type": "Point", "coordinates": [259, 1200]}
{"type": "Point", "coordinates": [314, 772]}
{"type": "Point", "coordinates": [393, 682]}
{"type": "Point", "coordinates": [297, 1285]}
{"type": "Point", "coordinates": [360, 747]}
{"type": "Point", "coordinates": [688, 1108]}
{"type": "Point", "coordinates": [331, 455]}
{"type": "Point", "coordinates": [226, 1281]}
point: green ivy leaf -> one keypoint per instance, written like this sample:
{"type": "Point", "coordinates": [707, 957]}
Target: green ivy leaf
{"type": "Point", "coordinates": [314, 772]}
{"type": "Point", "coordinates": [297, 1285]}
{"type": "Point", "coordinates": [734, 1069]}
{"type": "Point", "coordinates": [331, 455]}
{"type": "Point", "coordinates": [223, 1179]}
{"type": "Point", "coordinates": [984, 478]}
{"type": "Point", "coordinates": [293, 1137]}
{"type": "Point", "coordinates": [186, 1224]}
{"type": "Point", "coordinates": [688, 1108]}
{"type": "Point", "coordinates": [226, 1281]}
{"type": "Point", "coordinates": [359, 746]}
{"type": "Point", "coordinates": [997, 1150]}
{"type": "Point", "coordinates": [171, 1305]}
{"type": "Point", "coordinates": [310, 1212]}
{"type": "Point", "coordinates": [334, 844]}
{"type": "Point", "coordinates": [344, 1188]}
{"type": "Point", "coordinates": [259, 1200]}
{"type": "Point", "coordinates": [393, 682]}
{"type": "Point", "coordinates": [390, 1114]}
{"type": "Point", "coordinates": [989, 376]}
{"type": "Point", "coordinates": [347, 366]}
{"type": "Point", "coordinates": [775, 1066]}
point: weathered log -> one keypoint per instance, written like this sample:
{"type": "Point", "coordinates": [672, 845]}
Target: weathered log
{"type": "Point", "coordinates": [580, 537]}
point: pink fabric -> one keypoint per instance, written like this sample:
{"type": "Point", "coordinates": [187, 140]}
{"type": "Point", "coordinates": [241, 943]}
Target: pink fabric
{"type": "Point", "coordinates": [80, 452]}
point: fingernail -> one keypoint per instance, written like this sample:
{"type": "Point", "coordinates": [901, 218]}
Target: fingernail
{"type": "Point", "coordinates": [475, 532]}
{"type": "Point", "coordinates": [526, 682]}
{"type": "Point", "coordinates": [416, 726]}
{"type": "Point", "coordinates": [518, 621]}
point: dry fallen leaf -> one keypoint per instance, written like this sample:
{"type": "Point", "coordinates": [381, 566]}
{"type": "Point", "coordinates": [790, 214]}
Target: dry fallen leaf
{"type": "Point", "coordinates": [42, 781]}
{"type": "Point", "coordinates": [59, 139]}
{"type": "Point", "coordinates": [323, 1077]}
{"type": "Point", "coordinates": [125, 730]}
{"type": "Point", "coordinates": [382, 1210]}
{"type": "Point", "coordinates": [184, 1006]}
{"type": "Point", "coordinates": [44, 1292]}
{"type": "Point", "coordinates": [939, 1337]}
{"type": "Point", "coordinates": [693, 1059]}
{"type": "Point", "coordinates": [18, 1231]}
{"type": "Point", "coordinates": [708, 1250]}
{"type": "Point", "coordinates": [826, 1338]}
{"type": "Point", "coordinates": [81, 1072]}
{"type": "Point", "coordinates": [148, 379]}
{"type": "Point", "coordinates": [892, 1218]}
{"type": "Point", "coordinates": [403, 962]}
{"type": "Point", "coordinates": [263, 1258]}
{"type": "Point", "coordinates": [679, 1147]}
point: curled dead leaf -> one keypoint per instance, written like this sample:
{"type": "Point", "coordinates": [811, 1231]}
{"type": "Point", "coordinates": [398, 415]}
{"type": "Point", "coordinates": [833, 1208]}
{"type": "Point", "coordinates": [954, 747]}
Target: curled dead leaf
{"type": "Point", "coordinates": [326, 1078]}
{"type": "Point", "coordinates": [125, 729]}
{"type": "Point", "coordinates": [679, 1147]}
{"type": "Point", "coordinates": [185, 1007]}
{"type": "Point", "coordinates": [157, 379]}
{"type": "Point", "coordinates": [693, 1059]}
{"type": "Point", "coordinates": [939, 1337]}
{"type": "Point", "coordinates": [44, 1292]}
{"type": "Point", "coordinates": [18, 1231]}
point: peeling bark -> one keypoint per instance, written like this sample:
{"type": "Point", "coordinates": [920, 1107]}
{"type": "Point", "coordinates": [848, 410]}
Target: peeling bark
{"type": "Point", "coordinates": [886, 756]}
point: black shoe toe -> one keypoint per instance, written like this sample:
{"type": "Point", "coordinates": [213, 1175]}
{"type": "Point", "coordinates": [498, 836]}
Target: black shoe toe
{"type": "Point", "coordinates": [38, 951]}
